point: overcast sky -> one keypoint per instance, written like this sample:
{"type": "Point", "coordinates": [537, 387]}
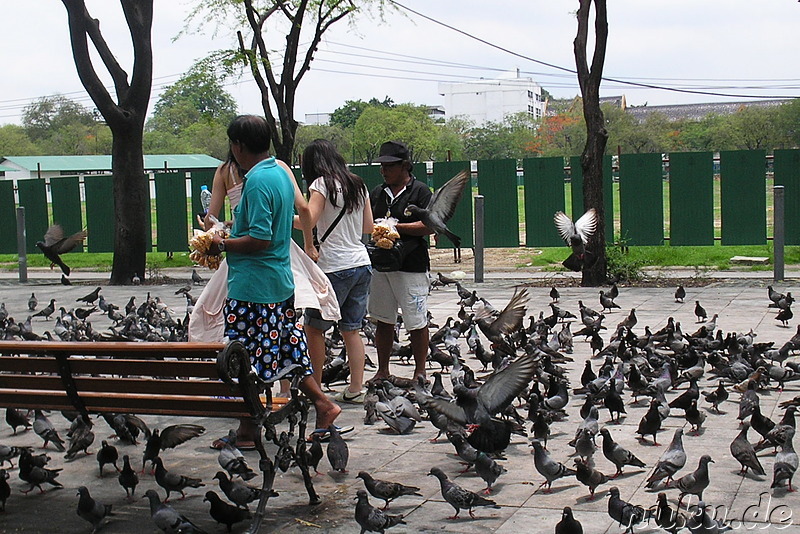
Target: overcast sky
{"type": "Point", "coordinates": [735, 47]}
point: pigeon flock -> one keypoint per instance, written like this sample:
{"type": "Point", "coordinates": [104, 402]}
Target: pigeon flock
{"type": "Point", "coordinates": [537, 390]}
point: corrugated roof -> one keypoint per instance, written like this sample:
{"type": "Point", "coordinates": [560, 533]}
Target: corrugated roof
{"type": "Point", "coordinates": [103, 163]}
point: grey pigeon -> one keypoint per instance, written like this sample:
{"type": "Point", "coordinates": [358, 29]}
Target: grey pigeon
{"type": "Point", "coordinates": [665, 517]}
{"type": "Point", "coordinates": [33, 302]}
{"type": "Point", "coordinates": [626, 514]}
{"type": "Point", "coordinates": [568, 524]}
{"type": "Point", "coordinates": [672, 461]}
{"type": "Point", "coordinates": [550, 469]}
{"type": "Point", "coordinates": [240, 494]}
{"type": "Point", "coordinates": [128, 478]}
{"type": "Point", "coordinates": [167, 519]}
{"type": "Point", "coordinates": [441, 207]}
{"type": "Point", "coordinates": [702, 523]}
{"type": "Point", "coordinates": [314, 452]}
{"type": "Point", "coordinates": [91, 297]}
{"type": "Point", "coordinates": [172, 481]}
{"type": "Point", "coordinates": [606, 302]}
{"type": "Point", "coordinates": [225, 513]}
{"type": "Point", "coordinates": [743, 451]}
{"type": "Point", "coordinates": [91, 510]}
{"type": "Point", "coordinates": [45, 430]}
{"type": "Point", "coordinates": [464, 449]}
{"type": "Point", "coordinates": [385, 490]}
{"type": "Point", "coordinates": [716, 397]}
{"type": "Point", "coordinates": [392, 414]}
{"type": "Point", "coordinates": [81, 438]}
{"type": "Point", "coordinates": [338, 453]}
{"type": "Point", "coordinates": [107, 454]}
{"type": "Point", "coordinates": [786, 463]}
{"type": "Point", "coordinates": [680, 294]}
{"type": "Point", "coordinates": [232, 460]}
{"type": "Point", "coordinates": [35, 475]}
{"type": "Point", "coordinates": [695, 482]}
{"type": "Point", "coordinates": [618, 455]}
{"type": "Point", "coordinates": [589, 476]}
{"type": "Point", "coordinates": [457, 496]}
{"type": "Point", "coordinates": [371, 519]}
{"type": "Point", "coordinates": [16, 418]}
{"type": "Point", "coordinates": [694, 417]}
{"type": "Point", "coordinates": [488, 470]}
{"type": "Point", "coordinates": [196, 278]}
{"type": "Point", "coordinates": [55, 244]}
{"type": "Point", "coordinates": [748, 401]}
{"type": "Point", "coordinates": [576, 235]}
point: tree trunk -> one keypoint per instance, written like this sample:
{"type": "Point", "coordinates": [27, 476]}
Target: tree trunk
{"type": "Point", "coordinates": [594, 272]}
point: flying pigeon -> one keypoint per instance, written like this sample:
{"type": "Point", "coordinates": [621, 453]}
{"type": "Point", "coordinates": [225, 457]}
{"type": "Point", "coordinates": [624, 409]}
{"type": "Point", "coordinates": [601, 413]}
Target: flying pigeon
{"type": "Point", "coordinates": [441, 207]}
{"type": "Point", "coordinates": [55, 244]}
{"type": "Point", "coordinates": [576, 235]}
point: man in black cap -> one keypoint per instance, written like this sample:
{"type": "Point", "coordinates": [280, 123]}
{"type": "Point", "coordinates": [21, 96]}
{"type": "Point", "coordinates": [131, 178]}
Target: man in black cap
{"type": "Point", "coordinates": [408, 287]}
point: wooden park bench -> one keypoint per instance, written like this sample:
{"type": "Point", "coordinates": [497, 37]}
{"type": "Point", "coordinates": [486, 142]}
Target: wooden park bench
{"type": "Point", "coordinates": [180, 379]}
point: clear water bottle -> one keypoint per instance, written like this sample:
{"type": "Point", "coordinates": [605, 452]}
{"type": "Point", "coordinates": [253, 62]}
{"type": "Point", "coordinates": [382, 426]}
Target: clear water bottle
{"type": "Point", "coordinates": [205, 198]}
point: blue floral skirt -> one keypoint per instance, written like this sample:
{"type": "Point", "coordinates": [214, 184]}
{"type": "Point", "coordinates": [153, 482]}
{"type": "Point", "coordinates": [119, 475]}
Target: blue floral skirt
{"type": "Point", "coordinates": [271, 335]}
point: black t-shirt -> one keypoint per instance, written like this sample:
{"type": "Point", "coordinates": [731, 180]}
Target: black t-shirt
{"type": "Point", "coordinates": [416, 193]}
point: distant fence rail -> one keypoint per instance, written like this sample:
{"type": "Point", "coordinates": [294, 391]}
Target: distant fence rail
{"type": "Point", "coordinates": [687, 198]}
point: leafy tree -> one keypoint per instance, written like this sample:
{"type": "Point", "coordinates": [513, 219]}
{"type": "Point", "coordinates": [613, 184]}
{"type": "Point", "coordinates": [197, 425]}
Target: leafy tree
{"type": "Point", "coordinates": [278, 67]}
{"type": "Point", "coordinates": [198, 96]}
{"type": "Point", "coordinates": [14, 141]}
{"type": "Point", "coordinates": [342, 139]}
{"type": "Point", "coordinates": [596, 135]}
{"type": "Point", "coordinates": [405, 122]}
{"type": "Point", "coordinates": [631, 136]}
{"type": "Point", "coordinates": [125, 118]}
{"type": "Point", "coordinates": [49, 113]}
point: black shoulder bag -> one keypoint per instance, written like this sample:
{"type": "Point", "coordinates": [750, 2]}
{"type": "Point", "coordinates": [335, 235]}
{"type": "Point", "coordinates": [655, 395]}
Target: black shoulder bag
{"type": "Point", "coordinates": [318, 242]}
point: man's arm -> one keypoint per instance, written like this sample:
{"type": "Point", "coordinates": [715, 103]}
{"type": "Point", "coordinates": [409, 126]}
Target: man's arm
{"type": "Point", "coordinates": [241, 245]}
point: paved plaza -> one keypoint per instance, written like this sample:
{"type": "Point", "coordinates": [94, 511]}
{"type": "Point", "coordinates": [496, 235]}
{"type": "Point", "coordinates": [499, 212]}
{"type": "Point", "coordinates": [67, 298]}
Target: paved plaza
{"type": "Point", "coordinates": [741, 302]}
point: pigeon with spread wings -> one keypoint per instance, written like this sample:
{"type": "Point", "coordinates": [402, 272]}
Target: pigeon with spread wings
{"type": "Point", "coordinates": [441, 207]}
{"type": "Point", "coordinates": [576, 235]}
{"type": "Point", "coordinates": [55, 244]}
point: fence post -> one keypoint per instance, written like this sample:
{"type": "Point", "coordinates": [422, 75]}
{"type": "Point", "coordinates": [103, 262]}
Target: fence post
{"type": "Point", "coordinates": [21, 246]}
{"type": "Point", "coordinates": [778, 233]}
{"type": "Point", "coordinates": [479, 219]}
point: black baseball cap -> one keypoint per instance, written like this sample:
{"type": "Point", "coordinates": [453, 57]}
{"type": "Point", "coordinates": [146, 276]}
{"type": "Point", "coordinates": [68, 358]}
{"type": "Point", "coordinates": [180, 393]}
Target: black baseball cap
{"type": "Point", "coordinates": [392, 152]}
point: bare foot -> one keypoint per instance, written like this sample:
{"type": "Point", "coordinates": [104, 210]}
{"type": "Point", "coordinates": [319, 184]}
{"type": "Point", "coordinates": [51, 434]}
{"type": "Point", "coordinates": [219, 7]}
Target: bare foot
{"type": "Point", "coordinates": [327, 412]}
{"type": "Point", "coordinates": [378, 377]}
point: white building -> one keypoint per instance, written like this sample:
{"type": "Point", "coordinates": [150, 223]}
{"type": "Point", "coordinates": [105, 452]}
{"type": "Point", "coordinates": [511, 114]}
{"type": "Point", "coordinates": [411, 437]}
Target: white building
{"type": "Point", "coordinates": [492, 100]}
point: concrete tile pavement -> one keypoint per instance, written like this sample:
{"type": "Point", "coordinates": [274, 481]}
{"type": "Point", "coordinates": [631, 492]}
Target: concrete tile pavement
{"type": "Point", "coordinates": [741, 304]}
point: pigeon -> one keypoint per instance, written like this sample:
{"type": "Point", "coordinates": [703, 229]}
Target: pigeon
{"type": "Point", "coordinates": [614, 402]}
{"type": "Point", "coordinates": [702, 523]}
{"type": "Point", "coordinates": [7, 453]}
{"type": "Point", "coordinates": [784, 316]}
{"type": "Point", "coordinates": [589, 476]}
{"type": "Point", "coordinates": [441, 207]}
{"type": "Point", "coordinates": [90, 298]}
{"type": "Point", "coordinates": [81, 438]}
{"type": "Point", "coordinates": [225, 513]}
{"type": "Point", "coordinates": [576, 235]}
{"type": "Point", "coordinates": [35, 475]}
{"type": "Point", "coordinates": [695, 482]}
{"type": "Point", "coordinates": [167, 519]}
{"type": "Point", "coordinates": [680, 294]}
{"type": "Point", "coordinates": [91, 510]}
{"type": "Point", "coordinates": [694, 417]}
{"type": "Point", "coordinates": [338, 453]}
{"type": "Point", "coordinates": [55, 244]}
{"type": "Point", "coordinates": [743, 451]}
{"type": "Point", "coordinates": [554, 294]}
{"type": "Point", "coordinates": [196, 278]}
{"type": "Point", "coordinates": [392, 414]}
{"type": "Point", "coordinates": [174, 482]}
{"type": "Point", "coordinates": [128, 478]}
{"type": "Point", "coordinates": [550, 469]}
{"type": "Point", "coordinates": [371, 519]}
{"type": "Point", "coordinates": [748, 401]}
{"type": "Point", "coordinates": [606, 302]}
{"type": "Point", "coordinates": [314, 452]}
{"type": "Point", "coordinates": [33, 302]}
{"type": "Point", "coordinates": [626, 514]}
{"type": "Point", "coordinates": [16, 418]}
{"type": "Point", "coordinates": [700, 312]}
{"type": "Point", "coordinates": [385, 490]}
{"type": "Point", "coordinates": [240, 494]}
{"type": "Point", "coordinates": [107, 455]}
{"type": "Point", "coordinates": [5, 489]}
{"type": "Point", "coordinates": [488, 470]}
{"type": "Point", "coordinates": [650, 423]}
{"type": "Point", "coordinates": [568, 524]}
{"type": "Point", "coordinates": [459, 497]}
{"type": "Point", "coordinates": [785, 465]}
{"type": "Point", "coordinates": [170, 437]}
{"type": "Point", "coordinates": [45, 430]}
{"type": "Point", "coordinates": [716, 397]}
{"type": "Point", "coordinates": [672, 461]}
{"type": "Point", "coordinates": [233, 461]}
{"type": "Point", "coordinates": [617, 455]}
{"type": "Point", "coordinates": [665, 517]}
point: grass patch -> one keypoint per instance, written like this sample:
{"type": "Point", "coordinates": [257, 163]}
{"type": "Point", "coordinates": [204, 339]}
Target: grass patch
{"type": "Point", "coordinates": [97, 261]}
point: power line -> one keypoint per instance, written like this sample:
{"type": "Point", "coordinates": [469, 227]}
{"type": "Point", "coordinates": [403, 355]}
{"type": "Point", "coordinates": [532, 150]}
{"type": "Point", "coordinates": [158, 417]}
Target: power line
{"type": "Point", "coordinates": [565, 69]}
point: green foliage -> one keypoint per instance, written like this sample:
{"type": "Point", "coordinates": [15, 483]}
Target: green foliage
{"type": "Point", "coordinates": [405, 122]}
{"type": "Point", "coordinates": [50, 113]}
{"type": "Point", "coordinates": [341, 139]}
{"type": "Point", "coordinates": [621, 265]}
{"type": "Point", "coordinates": [15, 142]}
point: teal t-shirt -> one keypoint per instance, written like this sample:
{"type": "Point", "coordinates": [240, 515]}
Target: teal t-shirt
{"type": "Point", "coordinates": [266, 211]}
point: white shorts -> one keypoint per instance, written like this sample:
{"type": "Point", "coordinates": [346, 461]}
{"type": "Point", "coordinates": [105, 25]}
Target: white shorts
{"type": "Point", "coordinates": [408, 291]}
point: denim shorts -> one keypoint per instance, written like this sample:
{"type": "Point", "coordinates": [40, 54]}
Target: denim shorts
{"type": "Point", "coordinates": [352, 290]}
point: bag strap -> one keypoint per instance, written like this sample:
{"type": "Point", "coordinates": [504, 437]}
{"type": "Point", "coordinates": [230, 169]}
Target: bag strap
{"type": "Point", "coordinates": [332, 226]}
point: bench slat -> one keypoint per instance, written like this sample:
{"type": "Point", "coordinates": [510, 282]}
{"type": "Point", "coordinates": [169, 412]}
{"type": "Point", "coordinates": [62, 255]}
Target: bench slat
{"type": "Point", "coordinates": [114, 348]}
{"type": "Point", "coordinates": [92, 365]}
{"type": "Point", "coordinates": [203, 388]}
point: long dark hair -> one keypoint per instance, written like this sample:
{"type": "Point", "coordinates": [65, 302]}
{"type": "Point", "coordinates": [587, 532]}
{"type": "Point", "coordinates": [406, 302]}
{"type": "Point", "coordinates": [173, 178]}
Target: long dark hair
{"type": "Point", "coordinates": [321, 159]}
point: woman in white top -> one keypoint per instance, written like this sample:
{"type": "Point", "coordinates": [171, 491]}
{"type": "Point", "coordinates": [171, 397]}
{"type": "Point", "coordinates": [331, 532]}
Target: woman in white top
{"type": "Point", "coordinates": [335, 192]}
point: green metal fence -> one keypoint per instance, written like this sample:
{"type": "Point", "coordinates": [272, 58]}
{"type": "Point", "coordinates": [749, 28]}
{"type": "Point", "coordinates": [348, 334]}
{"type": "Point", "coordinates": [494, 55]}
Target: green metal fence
{"type": "Point", "coordinates": [538, 189]}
